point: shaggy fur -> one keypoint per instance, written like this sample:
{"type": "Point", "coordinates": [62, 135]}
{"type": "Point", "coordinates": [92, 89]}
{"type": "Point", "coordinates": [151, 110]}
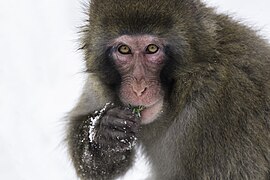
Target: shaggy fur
{"type": "Point", "coordinates": [215, 122]}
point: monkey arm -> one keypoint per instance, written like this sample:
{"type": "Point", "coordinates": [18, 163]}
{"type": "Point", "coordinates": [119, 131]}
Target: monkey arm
{"type": "Point", "coordinates": [107, 151]}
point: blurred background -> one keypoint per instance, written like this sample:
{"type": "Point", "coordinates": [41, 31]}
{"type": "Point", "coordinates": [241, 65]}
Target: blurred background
{"type": "Point", "coordinates": [41, 79]}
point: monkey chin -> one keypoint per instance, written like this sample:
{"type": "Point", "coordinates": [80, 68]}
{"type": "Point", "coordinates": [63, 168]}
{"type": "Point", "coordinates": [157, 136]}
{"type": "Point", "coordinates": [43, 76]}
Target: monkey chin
{"type": "Point", "coordinates": [150, 113]}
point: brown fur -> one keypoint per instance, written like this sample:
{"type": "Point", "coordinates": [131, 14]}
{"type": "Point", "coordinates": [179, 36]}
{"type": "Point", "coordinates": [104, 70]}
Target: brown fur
{"type": "Point", "coordinates": [216, 118]}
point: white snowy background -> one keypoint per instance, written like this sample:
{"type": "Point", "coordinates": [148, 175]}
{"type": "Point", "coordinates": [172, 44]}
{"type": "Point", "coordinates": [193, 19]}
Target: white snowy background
{"type": "Point", "coordinates": [41, 79]}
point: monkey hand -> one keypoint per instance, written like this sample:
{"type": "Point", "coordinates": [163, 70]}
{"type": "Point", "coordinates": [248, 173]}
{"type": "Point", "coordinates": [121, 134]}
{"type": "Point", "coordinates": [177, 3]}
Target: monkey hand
{"type": "Point", "coordinates": [115, 129]}
{"type": "Point", "coordinates": [103, 142]}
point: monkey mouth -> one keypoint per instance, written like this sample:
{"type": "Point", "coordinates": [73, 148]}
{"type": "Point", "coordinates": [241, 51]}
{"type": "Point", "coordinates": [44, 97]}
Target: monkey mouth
{"type": "Point", "coordinates": [148, 112]}
{"type": "Point", "coordinates": [141, 102]}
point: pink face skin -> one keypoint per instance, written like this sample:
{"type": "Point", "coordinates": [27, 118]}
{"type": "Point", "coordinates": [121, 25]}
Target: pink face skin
{"type": "Point", "coordinates": [140, 70]}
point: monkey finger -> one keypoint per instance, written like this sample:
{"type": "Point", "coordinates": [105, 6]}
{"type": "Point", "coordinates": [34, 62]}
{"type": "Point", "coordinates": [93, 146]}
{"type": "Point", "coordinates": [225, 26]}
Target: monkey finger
{"type": "Point", "coordinates": [109, 136]}
{"type": "Point", "coordinates": [120, 121]}
{"type": "Point", "coordinates": [123, 113]}
{"type": "Point", "coordinates": [120, 124]}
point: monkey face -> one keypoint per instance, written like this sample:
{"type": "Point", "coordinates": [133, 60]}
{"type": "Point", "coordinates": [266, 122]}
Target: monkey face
{"type": "Point", "coordinates": [139, 60]}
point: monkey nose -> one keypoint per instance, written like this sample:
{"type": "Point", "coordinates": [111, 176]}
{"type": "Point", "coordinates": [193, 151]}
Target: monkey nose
{"type": "Point", "coordinates": [139, 89]}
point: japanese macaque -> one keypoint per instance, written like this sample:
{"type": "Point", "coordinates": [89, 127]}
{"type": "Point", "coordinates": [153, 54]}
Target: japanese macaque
{"type": "Point", "coordinates": [187, 84]}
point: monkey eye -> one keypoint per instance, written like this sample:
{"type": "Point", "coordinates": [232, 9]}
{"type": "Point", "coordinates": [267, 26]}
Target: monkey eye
{"type": "Point", "coordinates": [152, 48]}
{"type": "Point", "coordinates": [124, 49]}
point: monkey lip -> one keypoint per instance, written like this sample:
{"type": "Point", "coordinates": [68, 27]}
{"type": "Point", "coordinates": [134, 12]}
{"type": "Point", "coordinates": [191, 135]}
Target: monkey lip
{"type": "Point", "coordinates": [140, 102]}
{"type": "Point", "coordinates": [146, 100]}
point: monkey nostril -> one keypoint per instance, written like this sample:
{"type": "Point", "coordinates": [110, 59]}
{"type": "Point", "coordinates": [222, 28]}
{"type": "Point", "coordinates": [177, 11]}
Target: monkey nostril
{"type": "Point", "coordinates": [143, 90]}
{"type": "Point", "coordinates": [139, 91]}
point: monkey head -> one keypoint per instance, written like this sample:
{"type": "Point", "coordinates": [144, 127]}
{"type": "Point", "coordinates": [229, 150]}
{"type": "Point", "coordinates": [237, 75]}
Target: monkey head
{"type": "Point", "coordinates": [134, 51]}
